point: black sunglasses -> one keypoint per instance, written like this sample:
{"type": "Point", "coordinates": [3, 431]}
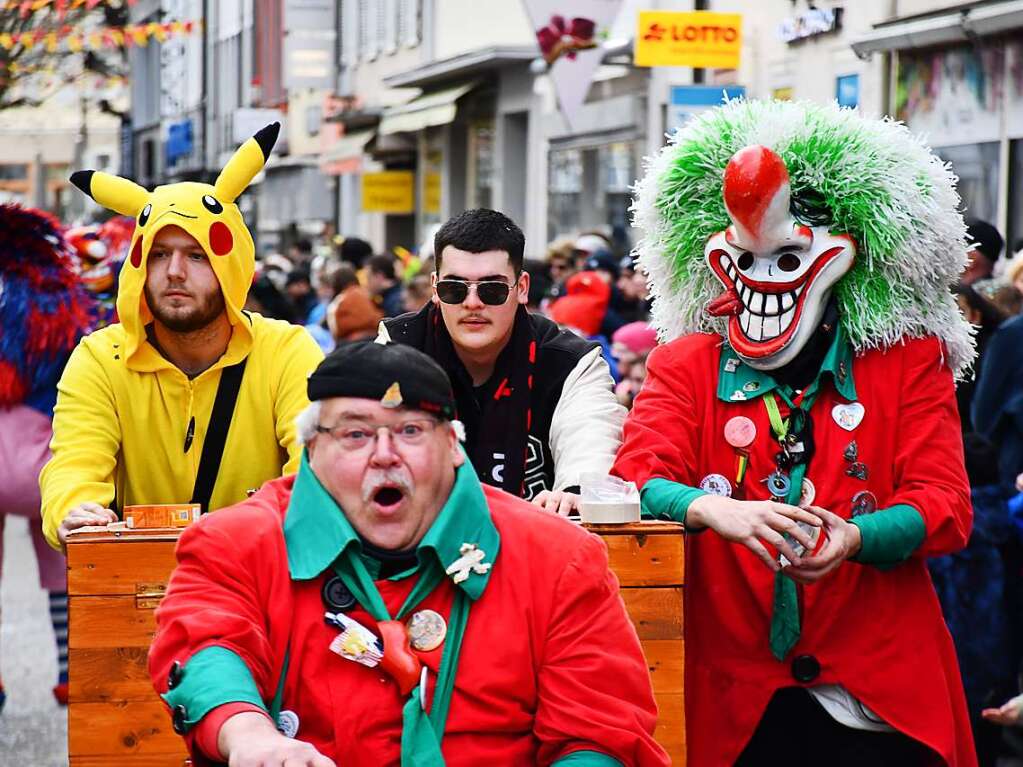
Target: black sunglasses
{"type": "Point", "coordinates": [490, 292]}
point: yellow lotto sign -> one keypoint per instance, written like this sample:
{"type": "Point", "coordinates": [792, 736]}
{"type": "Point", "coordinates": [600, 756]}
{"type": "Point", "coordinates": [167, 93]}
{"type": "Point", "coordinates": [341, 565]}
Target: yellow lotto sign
{"type": "Point", "coordinates": [389, 191]}
{"type": "Point", "coordinates": [688, 39]}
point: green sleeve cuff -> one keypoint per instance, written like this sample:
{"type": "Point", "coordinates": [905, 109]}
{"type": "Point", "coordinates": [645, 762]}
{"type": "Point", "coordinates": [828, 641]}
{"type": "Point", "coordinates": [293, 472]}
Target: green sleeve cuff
{"type": "Point", "coordinates": [212, 677]}
{"type": "Point", "coordinates": [664, 499]}
{"type": "Point", "coordinates": [890, 536]}
{"type": "Point", "coordinates": [588, 759]}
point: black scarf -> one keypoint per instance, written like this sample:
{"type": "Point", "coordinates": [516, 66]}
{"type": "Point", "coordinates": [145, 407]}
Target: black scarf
{"type": "Point", "coordinates": [498, 414]}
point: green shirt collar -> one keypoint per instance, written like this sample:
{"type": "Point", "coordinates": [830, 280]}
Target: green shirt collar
{"type": "Point", "coordinates": [737, 381]}
{"type": "Point", "coordinates": [316, 531]}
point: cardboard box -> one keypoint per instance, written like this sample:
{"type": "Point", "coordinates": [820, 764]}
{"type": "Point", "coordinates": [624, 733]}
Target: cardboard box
{"type": "Point", "coordinates": [161, 515]}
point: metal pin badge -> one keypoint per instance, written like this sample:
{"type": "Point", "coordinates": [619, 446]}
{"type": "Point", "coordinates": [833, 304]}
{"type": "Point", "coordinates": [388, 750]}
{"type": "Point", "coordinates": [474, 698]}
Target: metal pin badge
{"type": "Point", "coordinates": [778, 484]}
{"type": "Point", "coordinates": [852, 452]}
{"type": "Point", "coordinates": [858, 470]}
{"type": "Point", "coordinates": [864, 502]}
{"type": "Point", "coordinates": [426, 630]}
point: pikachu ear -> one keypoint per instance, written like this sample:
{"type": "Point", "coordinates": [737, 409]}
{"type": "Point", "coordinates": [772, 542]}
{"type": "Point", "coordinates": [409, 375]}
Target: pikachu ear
{"type": "Point", "coordinates": [246, 163]}
{"type": "Point", "coordinates": [119, 194]}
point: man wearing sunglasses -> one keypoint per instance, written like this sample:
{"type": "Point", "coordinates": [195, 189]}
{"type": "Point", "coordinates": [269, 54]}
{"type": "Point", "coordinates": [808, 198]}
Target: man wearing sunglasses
{"type": "Point", "coordinates": [537, 402]}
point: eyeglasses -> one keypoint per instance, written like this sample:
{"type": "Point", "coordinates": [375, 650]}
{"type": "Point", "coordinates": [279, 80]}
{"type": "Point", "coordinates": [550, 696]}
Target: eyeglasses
{"type": "Point", "coordinates": [490, 292]}
{"type": "Point", "coordinates": [356, 436]}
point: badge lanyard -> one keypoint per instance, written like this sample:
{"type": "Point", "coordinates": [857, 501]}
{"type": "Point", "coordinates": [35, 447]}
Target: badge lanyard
{"type": "Point", "coordinates": [420, 744]}
{"type": "Point", "coordinates": [785, 618]}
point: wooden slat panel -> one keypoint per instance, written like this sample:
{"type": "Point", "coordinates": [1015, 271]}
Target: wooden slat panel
{"type": "Point", "coordinates": [644, 527]}
{"type": "Point", "coordinates": [665, 658]}
{"type": "Point", "coordinates": [109, 674]}
{"type": "Point", "coordinates": [149, 760]}
{"type": "Point", "coordinates": [109, 622]}
{"type": "Point", "coordinates": [670, 731]}
{"type": "Point", "coordinates": [117, 566]}
{"type": "Point", "coordinates": [121, 729]}
{"type": "Point", "coordinates": [656, 612]}
{"type": "Point", "coordinates": [647, 560]}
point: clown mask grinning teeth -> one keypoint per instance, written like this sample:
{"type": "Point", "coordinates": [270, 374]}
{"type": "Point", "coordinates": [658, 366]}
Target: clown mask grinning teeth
{"type": "Point", "coordinates": [777, 273]}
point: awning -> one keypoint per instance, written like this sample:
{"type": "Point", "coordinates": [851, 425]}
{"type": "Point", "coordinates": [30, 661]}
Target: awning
{"type": "Point", "coordinates": [952, 26]}
{"type": "Point", "coordinates": [430, 109]}
{"type": "Point", "coordinates": [348, 147]}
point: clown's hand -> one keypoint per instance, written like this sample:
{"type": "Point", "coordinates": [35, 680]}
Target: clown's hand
{"type": "Point", "coordinates": [842, 541]}
{"type": "Point", "coordinates": [1010, 714]}
{"type": "Point", "coordinates": [753, 523]}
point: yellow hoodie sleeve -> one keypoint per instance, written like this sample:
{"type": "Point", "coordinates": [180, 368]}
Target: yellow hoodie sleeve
{"type": "Point", "coordinates": [298, 357]}
{"type": "Point", "coordinates": [85, 445]}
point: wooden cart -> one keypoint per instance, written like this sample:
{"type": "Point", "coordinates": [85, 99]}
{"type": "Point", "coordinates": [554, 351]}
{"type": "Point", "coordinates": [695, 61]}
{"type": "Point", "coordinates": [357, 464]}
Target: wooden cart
{"type": "Point", "coordinates": [115, 581]}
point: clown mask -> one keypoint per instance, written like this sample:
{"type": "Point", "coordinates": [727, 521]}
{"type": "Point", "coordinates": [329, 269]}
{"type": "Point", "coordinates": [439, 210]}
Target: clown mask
{"type": "Point", "coordinates": [778, 261]}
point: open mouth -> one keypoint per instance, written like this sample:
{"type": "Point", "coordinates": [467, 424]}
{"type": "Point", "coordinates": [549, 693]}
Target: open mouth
{"type": "Point", "coordinates": [387, 497]}
{"type": "Point", "coordinates": [764, 315]}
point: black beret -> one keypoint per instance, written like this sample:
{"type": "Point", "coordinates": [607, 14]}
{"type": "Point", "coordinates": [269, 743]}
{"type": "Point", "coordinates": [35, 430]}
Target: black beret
{"type": "Point", "coordinates": [392, 374]}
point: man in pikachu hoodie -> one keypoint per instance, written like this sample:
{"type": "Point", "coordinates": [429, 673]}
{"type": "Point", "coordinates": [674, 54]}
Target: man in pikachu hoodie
{"type": "Point", "coordinates": [135, 402]}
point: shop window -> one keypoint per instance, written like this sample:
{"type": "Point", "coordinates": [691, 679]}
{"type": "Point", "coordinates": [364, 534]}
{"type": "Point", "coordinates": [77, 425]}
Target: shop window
{"type": "Point", "coordinates": [617, 171]}
{"type": "Point", "coordinates": [481, 138]}
{"type": "Point", "coordinates": [13, 172]}
{"type": "Point", "coordinates": [564, 184]}
{"type": "Point", "coordinates": [977, 167]}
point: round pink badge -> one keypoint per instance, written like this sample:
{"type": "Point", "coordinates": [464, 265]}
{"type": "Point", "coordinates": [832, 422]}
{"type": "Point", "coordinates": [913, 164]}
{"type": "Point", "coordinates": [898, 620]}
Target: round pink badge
{"type": "Point", "coordinates": [740, 431]}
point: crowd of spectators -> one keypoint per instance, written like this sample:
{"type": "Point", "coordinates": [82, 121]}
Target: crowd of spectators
{"type": "Point", "coordinates": [342, 287]}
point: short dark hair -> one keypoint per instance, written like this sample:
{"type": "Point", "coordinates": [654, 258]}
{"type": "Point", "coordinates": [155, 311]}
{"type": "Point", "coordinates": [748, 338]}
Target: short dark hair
{"type": "Point", "coordinates": [479, 230]}
{"type": "Point", "coordinates": [984, 238]}
{"type": "Point", "coordinates": [342, 278]}
{"type": "Point", "coordinates": [382, 264]}
{"type": "Point", "coordinates": [355, 251]}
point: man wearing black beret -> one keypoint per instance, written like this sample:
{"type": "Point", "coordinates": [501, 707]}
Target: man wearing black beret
{"type": "Point", "coordinates": [383, 607]}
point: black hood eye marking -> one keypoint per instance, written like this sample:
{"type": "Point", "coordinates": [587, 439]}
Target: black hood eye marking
{"type": "Point", "coordinates": [212, 204]}
{"type": "Point", "coordinates": [144, 215]}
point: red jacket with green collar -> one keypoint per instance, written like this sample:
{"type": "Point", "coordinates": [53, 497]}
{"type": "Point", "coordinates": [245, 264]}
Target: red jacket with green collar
{"type": "Point", "coordinates": [874, 625]}
{"type": "Point", "coordinates": [550, 665]}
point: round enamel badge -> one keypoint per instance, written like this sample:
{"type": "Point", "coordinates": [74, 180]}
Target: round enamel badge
{"type": "Point", "coordinates": [287, 723]}
{"type": "Point", "coordinates": [716, 484]}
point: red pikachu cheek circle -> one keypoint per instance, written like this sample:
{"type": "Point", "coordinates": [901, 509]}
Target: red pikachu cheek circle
{"type": "Point", "coordinates": [221, 240]}
{"type": "Point", "coordinates": [136, 253]}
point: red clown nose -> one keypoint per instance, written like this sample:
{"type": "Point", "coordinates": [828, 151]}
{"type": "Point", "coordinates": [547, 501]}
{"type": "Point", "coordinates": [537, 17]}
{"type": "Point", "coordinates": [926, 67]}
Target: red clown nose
{"type": "Point", "coordinates": [756, 192]}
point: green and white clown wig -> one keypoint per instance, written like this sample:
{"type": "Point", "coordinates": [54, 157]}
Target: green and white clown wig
{"type": "Point", "coordinates": [783, 204]}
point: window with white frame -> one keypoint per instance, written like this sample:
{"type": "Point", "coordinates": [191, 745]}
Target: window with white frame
{"type": "Point", "coordinates": [369, 29]}
{"type": "Point", "coordinates": [409, 22]}
{"type": "Point", "coordinates": [389, 26]}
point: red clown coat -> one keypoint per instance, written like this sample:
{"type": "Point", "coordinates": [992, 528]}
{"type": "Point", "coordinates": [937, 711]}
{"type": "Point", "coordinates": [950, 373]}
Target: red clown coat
{"type": "Point", "coordinates": [876, 630]}
{"type": "Point", "coordinates": [550, 664]}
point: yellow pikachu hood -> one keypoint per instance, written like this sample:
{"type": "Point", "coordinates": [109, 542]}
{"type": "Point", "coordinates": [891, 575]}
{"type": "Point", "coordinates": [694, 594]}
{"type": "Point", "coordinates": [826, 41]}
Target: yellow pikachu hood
{"type": "Point", "coordinates": [207, 213]}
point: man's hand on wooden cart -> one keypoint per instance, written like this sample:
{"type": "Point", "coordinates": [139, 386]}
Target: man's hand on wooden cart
{"type": "Point", "coordinates": [249, 739]}
{"type": "Point", "coordinates": [82, 515]}
{"type": "Point", "coordinates": [753, 523]}
{"type": "Point", "coordinates": [558, 502]}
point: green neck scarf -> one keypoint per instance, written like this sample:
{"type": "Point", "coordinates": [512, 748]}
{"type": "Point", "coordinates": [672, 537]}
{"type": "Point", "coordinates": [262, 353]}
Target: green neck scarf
{"type": "Point", "coordinates": [315, 528]}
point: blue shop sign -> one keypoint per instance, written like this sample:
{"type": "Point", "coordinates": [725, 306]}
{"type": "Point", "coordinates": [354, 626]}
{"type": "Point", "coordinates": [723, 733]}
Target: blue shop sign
{"type": "Point", "coordinates": [179, 141]}
{"type": "Point", "coordinates": [689, 100]}
{"type": "Point", "coordinates": [847, 91]}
